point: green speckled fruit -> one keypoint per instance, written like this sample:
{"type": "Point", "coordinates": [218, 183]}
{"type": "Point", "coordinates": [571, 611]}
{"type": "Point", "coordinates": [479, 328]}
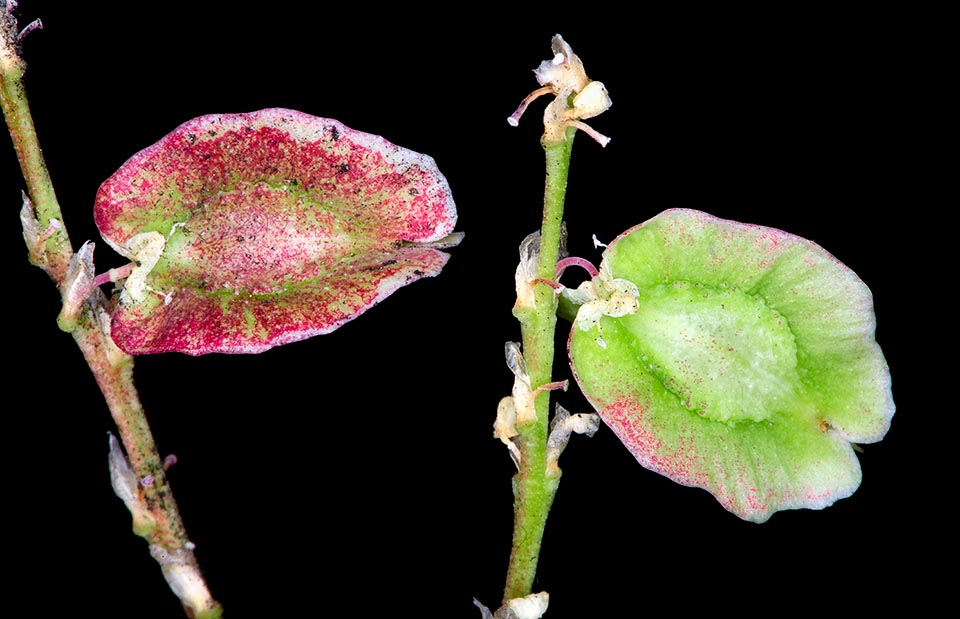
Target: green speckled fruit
{"type": "Point", "coordinates": [748, 369]}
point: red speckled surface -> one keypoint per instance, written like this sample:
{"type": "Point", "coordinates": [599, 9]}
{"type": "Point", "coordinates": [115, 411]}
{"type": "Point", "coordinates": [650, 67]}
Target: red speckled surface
{"type": "Point", "coordinates": [279, 226]}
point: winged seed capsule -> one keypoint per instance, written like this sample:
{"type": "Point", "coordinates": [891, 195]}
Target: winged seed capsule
{"type": "Point", "coordinates": [248, 231]}
{"type": "Point", "coordinates": [747, 366]}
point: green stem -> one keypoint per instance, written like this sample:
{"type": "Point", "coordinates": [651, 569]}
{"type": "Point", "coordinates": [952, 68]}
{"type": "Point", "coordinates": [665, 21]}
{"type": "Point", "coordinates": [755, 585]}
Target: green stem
{"type": "Point", "coordinates": [156, 517]}
{"type": "Point", "coordinates": [16, 111]}
{"type": "Point", "coordinates": [160, 523]}
{"type": "Point", "coordinates": [533, 487]}
{"type": "Point", "coordinates": [113, 371]}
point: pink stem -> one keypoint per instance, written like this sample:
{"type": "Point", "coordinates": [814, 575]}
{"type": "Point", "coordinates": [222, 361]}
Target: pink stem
{"type": "Point", "coordinates": [599, 137]}
{"type": "Point", "coordinates": [579, 262]}
{"type": "Point", "coordinates": [113, 275]}
{"type": "Point", "coordinates": [560, 385]}
{"type": "Point", "coordinates": [514, 118]}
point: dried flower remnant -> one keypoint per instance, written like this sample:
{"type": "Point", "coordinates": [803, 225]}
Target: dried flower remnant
{"type": "Point", "coordinates": [248, 231]}
{"type": "Point", "coordinates": [76, 287]}
{"type": "Point", "coordinates": [564, 77]}
{"type": "Point", "coordinates": [531, 606]}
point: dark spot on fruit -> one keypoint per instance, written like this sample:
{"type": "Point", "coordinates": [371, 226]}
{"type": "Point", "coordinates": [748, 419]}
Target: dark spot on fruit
{"type": "Point", "coordinates": [335, 134]}
{"type": "Point", "coordinates": [414, 191]}
{"type": "Point", "coordinates": [212, 132]}
{"type": "Point", "coordinates": [192, 138]}
{"type": "Point", "coordinates": [343, 168]}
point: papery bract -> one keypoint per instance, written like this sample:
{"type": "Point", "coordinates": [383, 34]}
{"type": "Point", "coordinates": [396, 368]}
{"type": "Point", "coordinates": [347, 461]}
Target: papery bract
{"type": "Point", "coordinates": [748, 367]}
{"type": "Point", "coordinates": [254, 230]}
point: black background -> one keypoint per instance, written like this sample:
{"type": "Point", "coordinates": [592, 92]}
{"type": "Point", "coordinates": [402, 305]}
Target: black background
{"type": "Point", "coordinates": [354, 474]}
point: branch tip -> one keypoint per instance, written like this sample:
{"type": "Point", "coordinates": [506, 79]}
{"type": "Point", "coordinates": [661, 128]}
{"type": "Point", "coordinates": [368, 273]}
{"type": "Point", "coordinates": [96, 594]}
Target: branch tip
{"type": "Point", "coordinates": [34, 25]}
{"type": "Point", "coordinates": [484, 611]}
{"type": "Point", "coordinates": [169, 461]}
